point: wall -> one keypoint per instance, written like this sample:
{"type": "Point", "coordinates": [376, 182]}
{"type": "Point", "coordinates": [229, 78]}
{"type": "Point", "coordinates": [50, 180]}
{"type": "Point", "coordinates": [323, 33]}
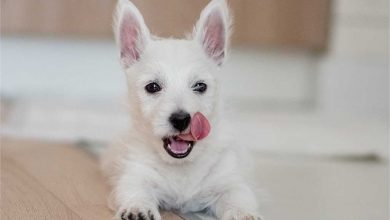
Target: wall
{"type": "Point", "coordinates": [354, 74]}
{"type": "Point", "coordinates": [276, 23]}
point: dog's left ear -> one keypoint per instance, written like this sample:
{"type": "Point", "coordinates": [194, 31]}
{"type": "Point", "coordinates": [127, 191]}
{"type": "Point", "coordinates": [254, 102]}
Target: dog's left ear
{"type": "Point", "coordinates": [213, 29]}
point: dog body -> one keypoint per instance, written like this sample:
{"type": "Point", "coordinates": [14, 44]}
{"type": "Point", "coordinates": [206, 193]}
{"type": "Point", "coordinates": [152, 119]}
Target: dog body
{"type": "Point", "coordinates": [171, 160]}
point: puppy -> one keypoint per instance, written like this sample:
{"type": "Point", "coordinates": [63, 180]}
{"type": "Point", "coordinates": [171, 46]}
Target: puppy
{"type": "Point", "coordinates": [176, 157]}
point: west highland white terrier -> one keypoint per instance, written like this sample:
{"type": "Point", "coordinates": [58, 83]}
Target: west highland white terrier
{"type": "Point", "coordinates": [176, 156]}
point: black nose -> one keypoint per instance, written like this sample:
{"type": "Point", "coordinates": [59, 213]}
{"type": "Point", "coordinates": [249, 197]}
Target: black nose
{"type": "Point", "coordinates": [180, 120]}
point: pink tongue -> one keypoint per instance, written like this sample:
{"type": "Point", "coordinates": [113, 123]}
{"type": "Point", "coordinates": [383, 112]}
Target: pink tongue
{"type": "Point", "coordinates": [200, 128]}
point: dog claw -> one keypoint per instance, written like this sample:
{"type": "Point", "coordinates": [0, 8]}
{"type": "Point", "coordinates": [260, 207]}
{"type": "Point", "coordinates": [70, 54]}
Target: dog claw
{"type": "Point", "coordinates": [136, 215]}
{"type": "Point", "coordinates": [131, 216]}
{"type": "Point", "coordinates": [141, 216]}
{"type": "Point", "coordinates": [151, 216]}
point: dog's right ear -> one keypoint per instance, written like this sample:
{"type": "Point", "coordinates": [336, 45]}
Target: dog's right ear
{"type": "Point", "coordinates": [130, 31]}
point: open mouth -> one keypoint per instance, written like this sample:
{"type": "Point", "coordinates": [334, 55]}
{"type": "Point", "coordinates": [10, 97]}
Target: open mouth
{"type": "Point", "coordinates": [180, 146]}
{"type": "Point", "coordinates": [177, 148]}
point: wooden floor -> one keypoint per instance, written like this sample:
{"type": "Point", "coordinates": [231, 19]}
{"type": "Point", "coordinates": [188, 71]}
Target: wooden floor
{"type": "Point", "coordinates": [60, 181]}
{"type": "Point", "coordinates": [52, 181]}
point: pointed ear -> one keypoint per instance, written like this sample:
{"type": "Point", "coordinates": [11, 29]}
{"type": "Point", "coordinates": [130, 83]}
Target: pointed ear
{"type": "Point", "coordinates": [213, 29]}
{"type": "Point", "coordinates": [131, 33]}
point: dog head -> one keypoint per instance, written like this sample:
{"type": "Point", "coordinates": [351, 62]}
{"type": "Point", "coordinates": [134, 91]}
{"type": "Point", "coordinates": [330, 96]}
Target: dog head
{"type": "Point", "coordinates": [172, 86]}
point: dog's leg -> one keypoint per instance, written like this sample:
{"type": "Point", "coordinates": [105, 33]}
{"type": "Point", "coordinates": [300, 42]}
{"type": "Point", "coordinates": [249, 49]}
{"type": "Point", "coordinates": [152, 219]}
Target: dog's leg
{"type": "Point", "coordinates": [238, 203]}
{"type": "Point", "coordinates": [134, 199]}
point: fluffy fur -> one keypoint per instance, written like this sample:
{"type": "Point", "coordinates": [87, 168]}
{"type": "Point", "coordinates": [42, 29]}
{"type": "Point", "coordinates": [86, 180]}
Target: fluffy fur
{"type": "Point", "coordinates": [145, 178]}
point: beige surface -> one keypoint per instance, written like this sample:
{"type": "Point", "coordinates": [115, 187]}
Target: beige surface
{"type": "Point", "coordinates": [56, 181]}
{"type": "Point", "coordinates": [51, 181]}
{"type": "Point", "coordinates": [294, 23]}
{"type": "Point", "coordinates": [281, 23]}
{"type": "Point", "coordinates": [323, 189]}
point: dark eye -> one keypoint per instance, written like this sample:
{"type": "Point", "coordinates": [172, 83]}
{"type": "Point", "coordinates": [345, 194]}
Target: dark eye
{"type": "Point", "coordinates": [199, 87]}
{"type": "Point", "coordinates": [152, 88]}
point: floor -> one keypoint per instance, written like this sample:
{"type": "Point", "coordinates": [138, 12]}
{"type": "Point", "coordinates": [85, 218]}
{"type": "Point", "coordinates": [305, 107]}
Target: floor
{"type": "Point", "coordinates": [62, 181]}
{"type": "Point", "coordinates": [47, 180]}
{"type": "Point", "coordinates": [323, 189]}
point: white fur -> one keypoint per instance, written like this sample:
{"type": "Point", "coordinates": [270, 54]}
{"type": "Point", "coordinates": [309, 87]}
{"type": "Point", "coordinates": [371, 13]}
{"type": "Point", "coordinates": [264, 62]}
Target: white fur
{"type": "Point", "coordinates": [145, 178]}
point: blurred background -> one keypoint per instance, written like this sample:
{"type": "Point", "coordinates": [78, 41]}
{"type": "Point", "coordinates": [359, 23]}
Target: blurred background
{"type": "Point", "coordinates": [307, 82]}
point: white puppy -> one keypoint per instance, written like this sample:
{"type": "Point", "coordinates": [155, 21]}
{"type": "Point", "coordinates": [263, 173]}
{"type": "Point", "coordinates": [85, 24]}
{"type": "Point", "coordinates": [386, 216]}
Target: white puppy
{"type": "Point", "coordinates": [176, 156]}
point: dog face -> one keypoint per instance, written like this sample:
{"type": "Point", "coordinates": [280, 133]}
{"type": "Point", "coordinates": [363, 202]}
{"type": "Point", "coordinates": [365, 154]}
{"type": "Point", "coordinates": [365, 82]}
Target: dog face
{"type": "Point", "coordinates": [172, 80]}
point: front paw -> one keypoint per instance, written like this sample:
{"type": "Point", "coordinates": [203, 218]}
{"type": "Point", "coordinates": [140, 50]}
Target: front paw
{"type": "Point", "coordinates": [137, 214]}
